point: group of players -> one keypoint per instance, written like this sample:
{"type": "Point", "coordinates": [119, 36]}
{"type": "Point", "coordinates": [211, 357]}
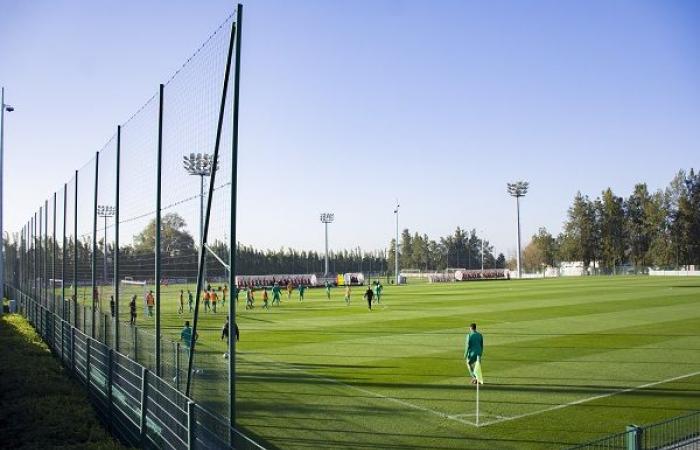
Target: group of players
{"type": "Point", "coordinates": [371, 294]}
{"type": "Point", "coordinates": [215, 296]}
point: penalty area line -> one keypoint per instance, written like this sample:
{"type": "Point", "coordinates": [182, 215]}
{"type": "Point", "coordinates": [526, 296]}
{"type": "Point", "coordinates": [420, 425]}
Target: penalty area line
{"type": "Point", "coordinates": [590, 399]}
{"type": "Point", "coordinates": [286, 366]}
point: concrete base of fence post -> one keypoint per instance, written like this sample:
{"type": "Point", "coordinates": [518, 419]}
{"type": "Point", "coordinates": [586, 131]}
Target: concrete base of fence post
{"type": "Point", "coordinates": [634, 437]}
{"type": "Point", "coordinates": [144, 406]}
{"type": "Point", "coordinates": [191, 422]}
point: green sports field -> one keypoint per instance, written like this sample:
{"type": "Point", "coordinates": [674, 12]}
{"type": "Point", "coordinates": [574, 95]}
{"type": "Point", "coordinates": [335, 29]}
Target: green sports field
{"type": "Point", "coordinates": [566, 361]}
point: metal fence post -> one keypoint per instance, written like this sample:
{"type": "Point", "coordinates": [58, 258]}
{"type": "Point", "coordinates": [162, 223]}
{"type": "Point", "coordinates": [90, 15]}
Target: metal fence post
{"type": "Point", "coordinates": [158, 274]}
{"type": "Point", "coordinates": [45, 269]}
{"type": "Point", "coordinates": [34, 258]}
{"type": "Point", "coordinates": [53, 267]}
{"type": "Point", "coordinates": [49, 328]}
{"type": "Point", "coordinates": [634, 437]}
{"type": "Point", "coordinates": [105, 319]}
{"type": "Point", "coordinates": [110, 399]}
{"type": "Point", "coordinates": [40, 260]}
{"type": "Point", "coordinates": [87, 363]}
{"type": "Point", "coordinates": [191, 422]}
{"type": "Point", "coordinates": [232, 231]}
{"type": "Point", "coordinates": [144, 405]}
{"type": "Point", "coordinates": [72, 349]}
{"type": "Point", "coordinates": [116, 243]}
{"type": "Point", "coordinates": [63, 360]}
{"type": "Point", "coordinates": [177, 365]}
{"type": "Point", "coordinates": [75, 253]}
{"type": "Point", "coordinates": [93, 262]}
{"type": "Point", "coordinates": [63, 254]}
{"type": "Point", "coordinates": [212, 184]}
{"type": "Point", "coordinates": [134, 330]}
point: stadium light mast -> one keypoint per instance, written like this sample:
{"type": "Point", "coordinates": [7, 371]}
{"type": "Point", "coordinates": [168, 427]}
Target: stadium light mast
{"type": "Point", "coordinates": [517, 190]}
{"type": "Point", "coordinates": [482, 249]}
{"type": "Point", "coordinates": [3, 107]}
{"type": "Point", "coordinates": [327, 218]}
{"type": "Point", "coordinates": [396, 247]}
{"type": "Point", "coordinates": [106, 212]}
{"type": "Point", "coordinates": [199, 164]}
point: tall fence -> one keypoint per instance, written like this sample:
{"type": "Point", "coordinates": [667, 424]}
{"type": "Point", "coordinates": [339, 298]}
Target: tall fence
{"type": "Point", "coordinates": [678, 433]}
{"type": "Point", "coordinates": [139, 407]}
{"type": "Point", "coordinates": [116, 260]}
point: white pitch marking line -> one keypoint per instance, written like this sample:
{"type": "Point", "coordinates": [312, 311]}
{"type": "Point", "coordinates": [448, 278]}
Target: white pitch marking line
{"type": "Point", "coordinates": [595, 397]}
{"type": "Point", "coordinates": [372, 393]}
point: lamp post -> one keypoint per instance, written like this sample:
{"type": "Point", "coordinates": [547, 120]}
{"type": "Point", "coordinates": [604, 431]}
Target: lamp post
{"type": "Point", "coordinates": [517, 190]}
{"type": "Point", "coordinates": [199, 164]}
{"type": "Point", "coordinates": [3, 107]}
{"type": "Point", "coordinates": [396, 249]}
{"type": "Point", "coordinates": [327, 218]}
{"type": "Point", "coordinates": [105, 211]}
{"type": "Point", "coordinates": [482, 251]}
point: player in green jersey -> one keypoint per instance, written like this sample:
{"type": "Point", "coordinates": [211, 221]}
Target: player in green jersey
{"type": "Point", "coordinates": [276, 293]}
{"type": "Point", "coordinates": [473, 349]}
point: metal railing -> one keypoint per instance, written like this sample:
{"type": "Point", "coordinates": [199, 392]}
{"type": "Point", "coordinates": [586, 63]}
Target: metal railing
{"type": "Point", "coordinates": [678, 433]}
{"type": "Point", "coordinates": [137, 406]}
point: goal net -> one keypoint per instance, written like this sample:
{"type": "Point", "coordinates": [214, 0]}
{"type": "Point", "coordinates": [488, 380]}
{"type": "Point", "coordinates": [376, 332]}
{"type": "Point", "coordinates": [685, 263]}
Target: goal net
{"type": "Point", "coordinates": [138, 288]}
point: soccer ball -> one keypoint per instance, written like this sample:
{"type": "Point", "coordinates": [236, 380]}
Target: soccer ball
{"type": "Point", "coordinates": [225, 355]}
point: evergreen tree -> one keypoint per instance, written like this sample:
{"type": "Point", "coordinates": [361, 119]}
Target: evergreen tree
{"type": "Point", "coordinates": [612, 230]}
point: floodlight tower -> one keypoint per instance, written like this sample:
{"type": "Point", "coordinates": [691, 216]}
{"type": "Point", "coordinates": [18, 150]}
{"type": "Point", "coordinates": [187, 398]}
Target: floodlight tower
{"type": "Point", "coordinates": [199, 164]}
{"type": "Point", "coordinates": [105, 211]}
{"type": "Point", "coordinates": [327, 218]}
{"type": "Point", "coordinates": [396, 247]}
{"type": "Point", "coordinates": [3, 107]}
{"type": "Point", "coordinates": [482, 249]}
{"type": "Point", "coordinates": [517, 190]}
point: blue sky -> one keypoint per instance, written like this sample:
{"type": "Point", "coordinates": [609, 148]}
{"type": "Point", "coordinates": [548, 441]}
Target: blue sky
{"type": "Point", "coordinates": [346, 106]}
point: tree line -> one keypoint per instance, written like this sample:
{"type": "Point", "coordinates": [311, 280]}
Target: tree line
{"type": "Point", "coordinates": [462, 249]}
{"type": "Point", "coordinates": [179, 257]}
{"type": "Point", "coordinates": [659, 229]}
{"type": "Point", "coordinates": [647, 229]}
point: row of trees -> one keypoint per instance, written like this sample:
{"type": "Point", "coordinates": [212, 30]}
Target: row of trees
{"type": "Point", "coordinates": [180, 257]}
{"type": "Point", "coordinates": [462, 249]}
{"type": "Point", "coordinates": [659, 229]}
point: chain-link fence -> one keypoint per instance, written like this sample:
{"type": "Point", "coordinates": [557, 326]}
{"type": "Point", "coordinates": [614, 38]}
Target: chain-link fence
{"type": "Point", "coordinates": [116, 266]}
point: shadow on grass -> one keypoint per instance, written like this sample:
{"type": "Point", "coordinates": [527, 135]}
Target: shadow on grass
{"type": "Point", "coordinates": [300, 427]}
{"type": "Point", "coordinates": [275, 372]}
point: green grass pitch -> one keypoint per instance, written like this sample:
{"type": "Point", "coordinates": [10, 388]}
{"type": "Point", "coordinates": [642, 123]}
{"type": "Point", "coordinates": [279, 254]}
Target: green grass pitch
{"type": "Point", "coordinates": [566, 361]}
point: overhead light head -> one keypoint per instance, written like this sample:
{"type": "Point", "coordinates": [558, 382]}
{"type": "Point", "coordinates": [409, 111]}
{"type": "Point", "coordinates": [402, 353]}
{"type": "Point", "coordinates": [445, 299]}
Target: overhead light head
{"type": "Point", "coordinates": [518, 189]}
